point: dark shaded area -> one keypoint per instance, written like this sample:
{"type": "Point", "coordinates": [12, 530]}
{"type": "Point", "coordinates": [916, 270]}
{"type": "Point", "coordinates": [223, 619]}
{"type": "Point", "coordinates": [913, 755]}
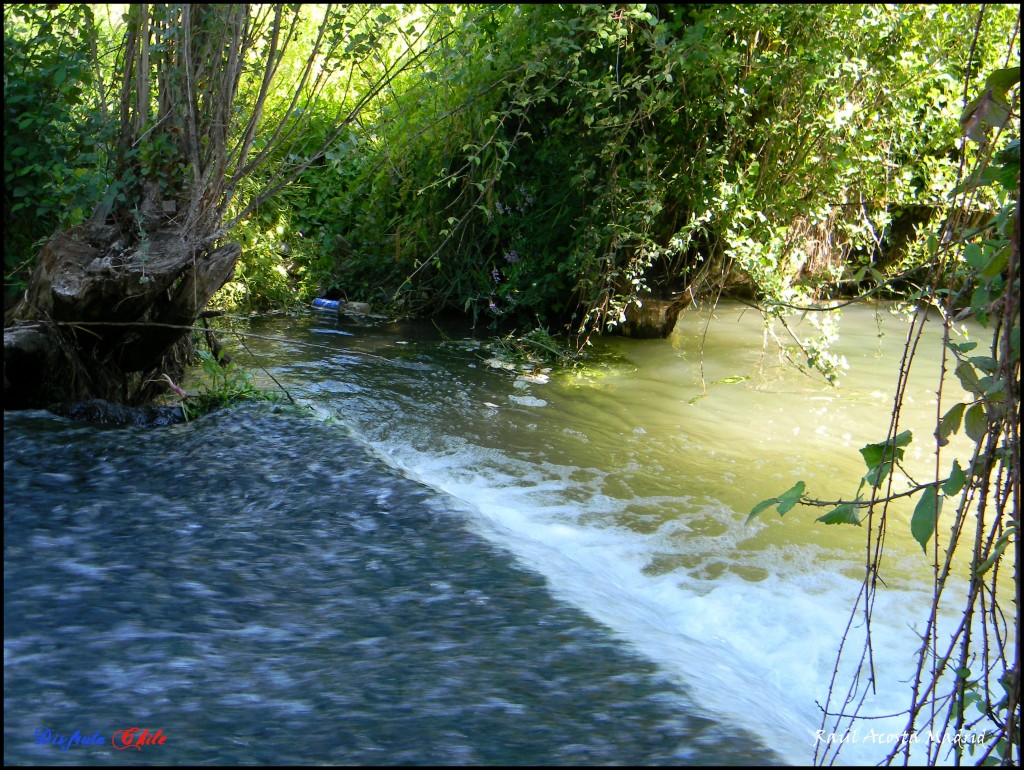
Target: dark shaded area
{"type": "Point", "coordinates": [107, 413]}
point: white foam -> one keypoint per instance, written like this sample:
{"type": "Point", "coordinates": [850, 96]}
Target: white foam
{"type": "Point", "coordinates": [757, 655]}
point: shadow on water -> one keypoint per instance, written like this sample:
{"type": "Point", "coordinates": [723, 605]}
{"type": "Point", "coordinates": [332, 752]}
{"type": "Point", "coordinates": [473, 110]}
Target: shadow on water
{"type": "Point", "coordinates": [263, 590]}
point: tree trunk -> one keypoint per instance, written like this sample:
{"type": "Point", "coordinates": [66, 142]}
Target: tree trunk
{"type": "Point", "coordinates": [104, 313]}
{"type": "Point", "coordinates": [653, 318]}
{"type": "Point", "coordinates": [100, 320]}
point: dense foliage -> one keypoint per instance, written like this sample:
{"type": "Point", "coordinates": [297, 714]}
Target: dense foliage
{"type": "Point", "coordinates": [56, 129]}
{"type": "Point", "coordinates": [552, 163]}
{"type": "Point", "coordinates": [549, 164]}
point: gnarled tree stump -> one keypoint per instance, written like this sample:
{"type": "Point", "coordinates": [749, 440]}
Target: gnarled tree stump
{"type": "Point", "coordinates": [102, 318]}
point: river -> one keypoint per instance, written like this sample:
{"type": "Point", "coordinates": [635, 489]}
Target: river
{"type": "Point", "coordinates": [440, 562]}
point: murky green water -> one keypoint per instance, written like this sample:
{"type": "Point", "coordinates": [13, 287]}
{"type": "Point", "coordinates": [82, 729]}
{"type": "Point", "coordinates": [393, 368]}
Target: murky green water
{"type": "Point", "coordinates": [461, 566]}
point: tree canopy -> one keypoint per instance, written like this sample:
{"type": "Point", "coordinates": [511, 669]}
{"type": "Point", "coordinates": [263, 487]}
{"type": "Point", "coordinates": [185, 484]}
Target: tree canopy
{"type": "Point", "coordinates": [552, 166]}
{"type": "Point", "coordinates": [538, 164]}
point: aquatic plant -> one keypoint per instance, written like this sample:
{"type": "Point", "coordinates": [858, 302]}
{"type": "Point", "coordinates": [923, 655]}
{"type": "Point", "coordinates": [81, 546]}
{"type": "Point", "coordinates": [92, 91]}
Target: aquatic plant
{"type": "Point", "coordinates": [221, 384]}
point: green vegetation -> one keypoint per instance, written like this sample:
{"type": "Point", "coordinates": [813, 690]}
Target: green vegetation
{"type": "Point", "coordinates": [222, 383]}
{"type": "Point", "coordinates": [547, 165]}
{"type": "Point", "coordinates": [534, 349]}
{"type": "Point", "coordinates": [598, 154]}
{"type": "Point", "coordinates": [57, 132]}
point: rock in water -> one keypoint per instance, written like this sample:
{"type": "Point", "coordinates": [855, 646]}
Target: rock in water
{"type": "Point", "coordinates": [108, 413]}
{"type": "Point", "coordinates": [653, 319]}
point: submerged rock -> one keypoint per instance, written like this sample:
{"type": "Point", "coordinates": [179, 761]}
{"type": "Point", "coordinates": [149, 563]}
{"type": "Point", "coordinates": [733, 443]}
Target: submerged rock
{"type": "Point", "coordinates": [108, 413]}
{"type": "Point", "coordinates": [652, 318]}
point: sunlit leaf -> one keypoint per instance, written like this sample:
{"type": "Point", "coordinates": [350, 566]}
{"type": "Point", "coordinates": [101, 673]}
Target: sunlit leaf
{"type": "Point", "coordinates": [844, 514]}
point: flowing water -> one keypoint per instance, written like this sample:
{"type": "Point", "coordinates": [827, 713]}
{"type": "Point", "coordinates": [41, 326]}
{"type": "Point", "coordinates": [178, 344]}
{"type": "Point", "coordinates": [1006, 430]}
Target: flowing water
{"type": "Point", "coordinates": [442, 562]}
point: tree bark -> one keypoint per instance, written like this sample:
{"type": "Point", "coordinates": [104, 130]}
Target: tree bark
{"type": "Point", "coordinates": [653, 318]}
{"type": "Point", "coordinates": [100, 320]}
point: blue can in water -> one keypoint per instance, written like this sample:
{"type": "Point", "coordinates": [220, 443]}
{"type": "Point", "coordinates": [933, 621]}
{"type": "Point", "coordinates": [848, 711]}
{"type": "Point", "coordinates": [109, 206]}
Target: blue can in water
{"type": "Point", "coordinates": [326, 304]}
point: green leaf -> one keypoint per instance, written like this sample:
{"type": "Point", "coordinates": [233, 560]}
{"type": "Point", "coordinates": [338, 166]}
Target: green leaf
{"type": "Point", "coordinates": [985, 363]}
{"type": "Point", "coordinates": [975, 180]}
{"type": "Point", "coordinates": [974, 256]}
{"type": "Point", "coordinates": [785, 501]}
{"type": "Point", "coordinates": [998, 262]}
{"type": "Point", "coordinates": [968, 378]}
{"type": "Point", "coordinates": [925, 520]}
{"type": "Point", "coordinates": [879, 458]}
{"type": "Point", "coordinates": [986, 565]}
{"type": "Point", "coordinates": [1007, 176]}
{"type": "Point", "coordinates": [976, 422]}
{"type": "Point", "coordinates": [1002, 80]}
{"type": "Point", "coordinates": [761, 506]}
{"type": "Point", "coordinates": [956, 480]}
{"type": "Point", "coordinates": [989, 109]}
{"type": "Point", "coordinates": [874, 453]}
{"type": "Point", "coordinates": [980, 300]}
{"type": "Point", "coordinates": [844, 514]}
{"type": "Point", "coordinates": [963, 347]}
{"type": "Point", "coordinates": [790, 498]}
{"type": "Point", "coordinates": [972, 698]}
{"type": "Point", "coordinates": [950, 424]}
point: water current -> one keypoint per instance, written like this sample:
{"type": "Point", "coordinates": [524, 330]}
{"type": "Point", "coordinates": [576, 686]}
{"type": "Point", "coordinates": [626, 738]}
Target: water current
{"type": "Point", "coordinates": [441, 562]}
